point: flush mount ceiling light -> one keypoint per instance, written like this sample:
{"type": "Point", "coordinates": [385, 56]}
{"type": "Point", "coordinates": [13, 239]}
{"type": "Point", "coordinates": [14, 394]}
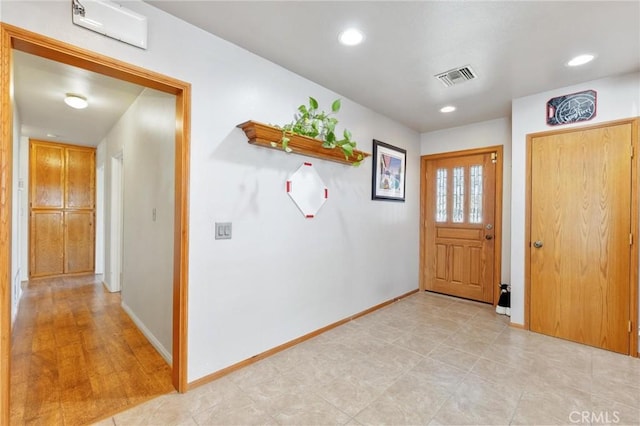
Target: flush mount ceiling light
{"type": "Point", "coordinates": [351, 37]}
{"type": "Point", "coordinates": [448, 108]}
{"type": "Point", "coordinates": [580, 60]}
{"type": "Point", "coordinates": [76, 101]}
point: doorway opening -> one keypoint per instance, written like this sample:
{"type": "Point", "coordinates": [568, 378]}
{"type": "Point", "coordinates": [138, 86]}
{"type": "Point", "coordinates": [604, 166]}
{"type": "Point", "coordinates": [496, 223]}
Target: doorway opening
{"type": "Point", "coordinates": [22, 40]}
{"type": "Point", "coordinates": [99, 220]}
{"type": "Point", "coordinates": [115, 283]}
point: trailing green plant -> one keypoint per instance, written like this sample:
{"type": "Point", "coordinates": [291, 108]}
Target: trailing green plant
{"type": "Point", "coordinates": [308, 121]}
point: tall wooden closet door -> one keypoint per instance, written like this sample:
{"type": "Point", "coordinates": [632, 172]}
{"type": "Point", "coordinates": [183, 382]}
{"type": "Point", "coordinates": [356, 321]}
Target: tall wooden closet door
{"type": "Point", "coordinates": [46, 193]}
{"type": "Point", "coordinates": [79, 212]}
{"type": "Point", "coordinates": [62, 209]}
{"type": "Point", "coordinates": [581, 204]}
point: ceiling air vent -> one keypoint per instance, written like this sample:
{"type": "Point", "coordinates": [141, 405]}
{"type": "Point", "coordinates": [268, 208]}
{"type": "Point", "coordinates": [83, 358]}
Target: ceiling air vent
{"type": "Point", "coordinates": [456, 76]}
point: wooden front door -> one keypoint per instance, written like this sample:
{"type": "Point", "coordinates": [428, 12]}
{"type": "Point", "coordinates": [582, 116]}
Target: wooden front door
{"type": "Point", "coordinates": [459, 212]}
{"type": "Point", "coordinates": [61, 209]}
{"type": "Point", "coordinates": [581, 235]}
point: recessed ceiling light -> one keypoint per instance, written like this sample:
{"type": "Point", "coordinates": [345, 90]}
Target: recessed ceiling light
{"type": "Point", "coordinates": [351, 37]}
{"type": "Point", "coordinates": [580, 60]}
{"type": "Point", "coordinates": [448, 108]}
{"type": "Point", "coordinates": [52, 135]}
{"type": "Point", "coordinates": [76, 101]}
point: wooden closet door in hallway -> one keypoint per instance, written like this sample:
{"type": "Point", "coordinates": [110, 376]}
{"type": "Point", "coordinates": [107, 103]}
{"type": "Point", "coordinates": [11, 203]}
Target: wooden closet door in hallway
{"type": "Point", "coordinates": [61, 209]}
{"type": "Point", "coordinates": [581, 236]}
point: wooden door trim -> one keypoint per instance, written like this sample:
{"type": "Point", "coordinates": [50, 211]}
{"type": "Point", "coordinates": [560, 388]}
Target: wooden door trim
{"type": "Point", "coordinates": [497, 258]}
{"type": "Point", "coordinates": [17, 38]}
{"type": "Point", "coordinates": [633, 273]}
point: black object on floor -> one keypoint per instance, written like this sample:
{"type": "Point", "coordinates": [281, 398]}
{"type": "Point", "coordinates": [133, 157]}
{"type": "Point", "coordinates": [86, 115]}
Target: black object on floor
{"type": "Point", "coordinates": [504, 303]}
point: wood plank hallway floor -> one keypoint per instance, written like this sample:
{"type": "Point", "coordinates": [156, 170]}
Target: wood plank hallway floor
{"type": "Point", "coordinates": [77, 357]}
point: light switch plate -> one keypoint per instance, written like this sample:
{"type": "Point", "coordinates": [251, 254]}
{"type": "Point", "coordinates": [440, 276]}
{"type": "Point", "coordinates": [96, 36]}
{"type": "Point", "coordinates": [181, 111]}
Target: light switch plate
{"type": "Point", "coordinates": [223, 230]}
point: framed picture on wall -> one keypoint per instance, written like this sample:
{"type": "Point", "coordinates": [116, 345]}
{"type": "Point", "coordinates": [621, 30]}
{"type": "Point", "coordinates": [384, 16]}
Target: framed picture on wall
{"type": "Point", "coordinates": [388, 172]}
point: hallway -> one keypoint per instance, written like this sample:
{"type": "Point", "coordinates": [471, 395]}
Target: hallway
{"type": "Point", "coordinates": [77, 357]}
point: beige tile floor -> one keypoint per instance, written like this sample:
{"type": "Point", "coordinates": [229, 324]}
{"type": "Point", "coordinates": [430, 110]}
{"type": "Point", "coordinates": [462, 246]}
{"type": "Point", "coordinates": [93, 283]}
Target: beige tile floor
{"type": "Point", "coordinates": [427, 359]}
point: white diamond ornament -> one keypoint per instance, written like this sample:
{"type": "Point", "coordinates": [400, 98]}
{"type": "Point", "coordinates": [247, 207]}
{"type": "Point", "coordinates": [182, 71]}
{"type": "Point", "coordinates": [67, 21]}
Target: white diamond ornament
{"type": "Point", "coordinates": [307, 190]}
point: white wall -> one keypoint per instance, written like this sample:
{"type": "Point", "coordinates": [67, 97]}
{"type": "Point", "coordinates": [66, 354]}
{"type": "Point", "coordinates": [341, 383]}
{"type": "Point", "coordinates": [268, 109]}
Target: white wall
{"type": "Point", "coordinates": [16, 198]}
{"type": "Point", "coordinates": [146, 134]}
{"type": "Point", "coordinates": [99, 241]}
{"type": "Point", "coordinates": [109, 147]}
{"type": "Point", "coordinates": [618, 97]}
{"type": "Point", "coordinates": [479, 135]}
{"type": "Point", "coordinates": [23, 176]}
{"type": "Point", "coordinates": [281, 276]}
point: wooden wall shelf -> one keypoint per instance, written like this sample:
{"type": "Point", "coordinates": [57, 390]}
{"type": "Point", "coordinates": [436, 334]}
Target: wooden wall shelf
{"type": "Point", "coordinates": [265, 135]}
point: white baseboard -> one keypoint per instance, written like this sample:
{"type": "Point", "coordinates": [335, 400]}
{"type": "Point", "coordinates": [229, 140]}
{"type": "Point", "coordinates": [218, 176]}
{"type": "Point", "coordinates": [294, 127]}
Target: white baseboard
{"type": "Point", "coordinates": [14, 314]}
{"type": "Point", "coordinates": [108, 287]}
{"type": "Point", "coordinates": [152, 339]}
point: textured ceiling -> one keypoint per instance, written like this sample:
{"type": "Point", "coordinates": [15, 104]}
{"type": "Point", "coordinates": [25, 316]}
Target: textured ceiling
{"type": "Point", "coordinates": [516, 48]}
{"type": "Point", "coordinates": [40, 86]}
